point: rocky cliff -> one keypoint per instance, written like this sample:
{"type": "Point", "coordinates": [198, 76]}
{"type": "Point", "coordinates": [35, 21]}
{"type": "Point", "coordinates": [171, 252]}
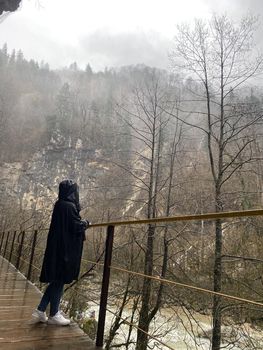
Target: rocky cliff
{"type": "Point", "coordinates": [32, 185]}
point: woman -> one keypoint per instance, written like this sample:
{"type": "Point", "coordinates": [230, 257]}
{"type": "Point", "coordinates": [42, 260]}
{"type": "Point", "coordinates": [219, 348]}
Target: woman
{"type": "Point", "coordinates": [62, 258]}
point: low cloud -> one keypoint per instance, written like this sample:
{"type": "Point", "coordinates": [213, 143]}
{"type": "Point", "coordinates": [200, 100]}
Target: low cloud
{"type": "Point", "coordinates": [113, 50]}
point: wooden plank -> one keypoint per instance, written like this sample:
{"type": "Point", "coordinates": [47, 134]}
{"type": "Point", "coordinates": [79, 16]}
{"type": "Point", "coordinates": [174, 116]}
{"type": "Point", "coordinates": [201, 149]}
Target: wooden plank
{"type": "Point", "coordinates": [80, 344]}
{"type": "Point", "coordinates": [18, 298]}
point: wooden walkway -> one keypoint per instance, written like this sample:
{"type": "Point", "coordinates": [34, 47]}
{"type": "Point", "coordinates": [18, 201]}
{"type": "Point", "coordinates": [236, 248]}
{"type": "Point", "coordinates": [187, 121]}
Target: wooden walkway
{"type": "Point", "coordinates": [18, 298]}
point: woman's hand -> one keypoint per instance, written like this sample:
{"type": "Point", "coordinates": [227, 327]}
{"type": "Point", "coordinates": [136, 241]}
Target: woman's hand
{"type": "Point", "coordinates": [85, 223]}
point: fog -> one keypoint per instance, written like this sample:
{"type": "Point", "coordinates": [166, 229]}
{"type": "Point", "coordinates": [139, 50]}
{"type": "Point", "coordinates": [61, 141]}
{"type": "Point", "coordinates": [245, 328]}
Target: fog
{"type": "Point", "coordinates": [141, 142]}
{"type": "Point", "coordinates": [106, 34]}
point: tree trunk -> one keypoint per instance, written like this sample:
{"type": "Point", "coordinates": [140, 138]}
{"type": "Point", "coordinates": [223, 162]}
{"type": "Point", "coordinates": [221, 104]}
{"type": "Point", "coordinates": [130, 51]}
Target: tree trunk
{"type": "Point", "coordinates": [142, 337]}
{"type": "Point", "coordinates": [216, 335]}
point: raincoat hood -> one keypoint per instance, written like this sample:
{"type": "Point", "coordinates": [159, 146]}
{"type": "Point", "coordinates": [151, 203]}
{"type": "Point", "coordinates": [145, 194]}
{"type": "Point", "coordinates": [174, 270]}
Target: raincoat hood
{"type": "Point", "coordinates": [69, 191]}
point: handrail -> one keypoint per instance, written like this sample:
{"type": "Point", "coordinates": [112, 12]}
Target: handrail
{"type": "Point", "coordinates": [27, 262]}
{"type": "Point", "coordinates": [179, 284]}
{"type": "Point", "coordinates": [108, 250]}
{"type": "Point", "coordinates": [191, 217]}
{"type": "Point", "coordinates": [188, 286]}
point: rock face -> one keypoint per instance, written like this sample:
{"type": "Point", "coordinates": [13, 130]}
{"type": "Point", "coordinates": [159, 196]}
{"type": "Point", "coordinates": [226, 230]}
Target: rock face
{"type": "Point", "coordinates": [33, 185]}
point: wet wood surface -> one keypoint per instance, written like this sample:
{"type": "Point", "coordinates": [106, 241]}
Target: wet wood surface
{"type": "Point", "coordinates": [18, 298]}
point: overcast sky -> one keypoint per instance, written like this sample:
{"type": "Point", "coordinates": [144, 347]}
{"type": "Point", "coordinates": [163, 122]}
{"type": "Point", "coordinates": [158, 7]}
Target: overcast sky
{"type": "Point", "coordinates": [107, 32]}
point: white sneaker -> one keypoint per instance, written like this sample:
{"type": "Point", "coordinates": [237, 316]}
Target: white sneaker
{"type": "Point", "coordinates": [58, 319]}
{"type": "Point", "coordinates": [39, 316]}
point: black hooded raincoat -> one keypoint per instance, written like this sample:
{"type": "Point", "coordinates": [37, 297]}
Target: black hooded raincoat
{"type": "Point", "coordinates": [65, 238]}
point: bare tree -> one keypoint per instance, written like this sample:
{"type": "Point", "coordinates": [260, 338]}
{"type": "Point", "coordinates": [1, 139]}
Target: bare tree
{"type": "Point", "coordinates": [149, 124]}
{"type": "Point", "coordinates": [220, 55]}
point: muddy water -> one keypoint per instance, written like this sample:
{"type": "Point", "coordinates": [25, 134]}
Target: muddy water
{"type": "Point", "coordinates": [183, 330]}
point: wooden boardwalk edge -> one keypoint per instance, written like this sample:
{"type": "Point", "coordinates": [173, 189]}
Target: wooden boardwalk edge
{"type": "Point", "coordinates": [18, 298]}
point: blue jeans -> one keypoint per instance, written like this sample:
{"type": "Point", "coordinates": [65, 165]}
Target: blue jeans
{"type": "Point", "coordinates": [52, 295]}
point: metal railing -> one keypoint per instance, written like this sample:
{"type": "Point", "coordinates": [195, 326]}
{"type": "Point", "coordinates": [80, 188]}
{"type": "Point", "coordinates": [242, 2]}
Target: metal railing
{"type": "Point", "coordinates": [17, 243]}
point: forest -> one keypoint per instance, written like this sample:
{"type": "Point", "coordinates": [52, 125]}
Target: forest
{"type": "Point", "coordinates": [146, 143]}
